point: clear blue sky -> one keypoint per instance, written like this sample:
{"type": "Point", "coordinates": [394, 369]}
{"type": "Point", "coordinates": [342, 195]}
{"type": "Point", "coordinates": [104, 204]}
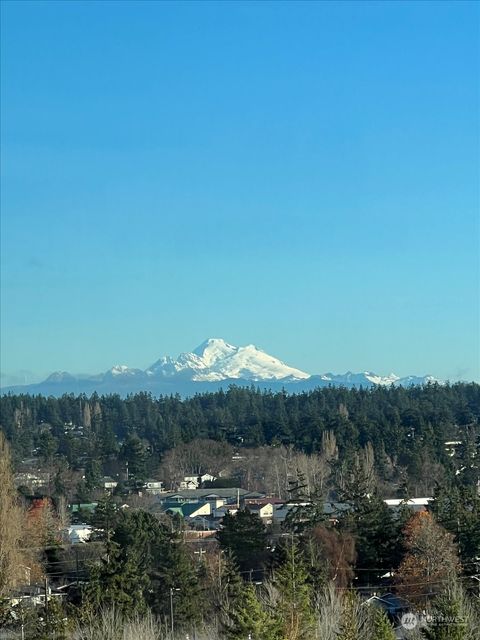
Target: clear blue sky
{"type": "Point", "coordinates": [303, 176]}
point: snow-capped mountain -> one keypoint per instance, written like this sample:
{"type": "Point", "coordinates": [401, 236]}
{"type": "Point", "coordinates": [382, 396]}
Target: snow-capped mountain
{"type": "Point", "coordinates": [213, 364]}
{"type": "Point", "coordinates": [216, 360]}
{"type": "Point", "coordinates": [122, 370]}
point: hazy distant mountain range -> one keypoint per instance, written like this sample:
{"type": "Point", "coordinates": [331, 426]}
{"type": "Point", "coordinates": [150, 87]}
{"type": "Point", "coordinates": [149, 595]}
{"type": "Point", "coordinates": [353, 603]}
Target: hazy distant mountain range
{"type": "Point", "coordinates": [212, 365]}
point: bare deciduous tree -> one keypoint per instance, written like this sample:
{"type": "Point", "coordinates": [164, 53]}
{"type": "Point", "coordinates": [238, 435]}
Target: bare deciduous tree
{"type": "Point", "coordinates": [11, 522]}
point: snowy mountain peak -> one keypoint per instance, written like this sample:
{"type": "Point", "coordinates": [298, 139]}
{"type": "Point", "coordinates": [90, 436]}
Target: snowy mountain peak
{"type": "Point", "coordinates": [118, 369]}
{"type": "Point", "coordinates": [121, 370]}
{"type": "Point", "coordinates": [214, 349]}
{"type": "Point", "coordinates": [381, 380]}
{"type": "Point", "coordinates": [212, 363]}
{"type": "Point", "coordinates": [216, 360]}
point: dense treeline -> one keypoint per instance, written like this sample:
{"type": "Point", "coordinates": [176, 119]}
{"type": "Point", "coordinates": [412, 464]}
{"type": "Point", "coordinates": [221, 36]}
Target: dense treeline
{"type": "Point", "coordinates": [406, 426]}
{"type": "Point", "coordinates": [351, 445]}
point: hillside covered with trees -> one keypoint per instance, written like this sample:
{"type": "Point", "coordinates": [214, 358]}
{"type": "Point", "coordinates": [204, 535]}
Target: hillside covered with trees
{"type": "Point", "coordinates": [405, 428]}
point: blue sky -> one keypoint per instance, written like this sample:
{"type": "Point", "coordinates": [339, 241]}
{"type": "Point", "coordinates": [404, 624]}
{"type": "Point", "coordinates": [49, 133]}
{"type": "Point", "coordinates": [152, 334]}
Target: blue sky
{"type": "Point", "coordinates": [301, 176]}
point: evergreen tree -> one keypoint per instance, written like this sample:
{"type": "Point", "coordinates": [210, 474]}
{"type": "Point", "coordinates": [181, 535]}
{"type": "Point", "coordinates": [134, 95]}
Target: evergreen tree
{"type": "Point", "coordinates": [116, 582]}
{"type": "Point", "coordinates": [457, 509]}
{"type": "Point", "coordinates": [249, 620]}
{"type": "Point", "coordinates": [231, 583]}
{"type": "Point", "coordinates": [47, 447]}
{"type": "Point", "coordinates": [381, 627]}
{"type": "Point", "coordinates": [294, 612]}
{"type": "Point", "coordinates": [173, 575]}
{"type": "Point", "coordinates": [377, 535]}
{"type": "Point", "coordinates": [105, 517]}
{"type": "Point", "coordinates": [134, 454]}
{"type": "Point", "coordinates": [350, 624]}
{"type": "Point", "coordinates": [307, 507]}
{"type": "Point", "coordinates": [93, 473]}
{"type": "Point", "coordinates": [447, 620]}
{"type": "Point", "coordinates": [244, 536]}
{"type": "Point", "coordinates": [54, 624]}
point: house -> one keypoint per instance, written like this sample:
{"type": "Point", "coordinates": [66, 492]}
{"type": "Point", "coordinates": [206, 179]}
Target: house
{"type": "Point", "coordinates": [189, 509]}
{"type": "Point", "coordinates": [32, 480]}
{"type": "Point", "coordinates": [78, 533]}
{"type": "Point", "coordinates": [189, 482]}
{"type": "Point", "coordinates": [154, 487]}
{"type": "Point", "coordinates": [219, 512]}
{"type": "Point", "coordinates": [34, 595]}
{"type": "Point", "coordinates": [207, 477]}
{"type": "Point", "coordinates": [109, 484]}
{"type": "Point", "coordinates": [393, 605]}
{"type": "Point", "coordinates": [413, 504]}
{"type": "Point", "coordinates": [215, 501]}
{"type": "Point", "coordinates": [205, 503]}
{"type": "Point", "coordinates": [263, 511]}
{"type": "Point", "coordinates": [282, 508]}
{"type": "Point", "coordinates": [334, 509]}
{"type": "Point", "coordinates": [194, 482]}
{"type": "Point", "coordinates": [264, 500]}
{"type": "Point", "coordinates": [232, 495]}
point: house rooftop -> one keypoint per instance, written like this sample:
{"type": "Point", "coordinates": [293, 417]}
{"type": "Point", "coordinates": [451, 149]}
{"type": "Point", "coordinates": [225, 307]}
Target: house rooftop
{"type": "Point", "coordinates": [195, 494]}
{"type": "Point", "coordinates": [411, 502]}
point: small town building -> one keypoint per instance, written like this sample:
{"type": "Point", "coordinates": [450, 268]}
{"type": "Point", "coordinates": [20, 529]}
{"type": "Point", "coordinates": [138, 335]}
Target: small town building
{"type": "Point", "coordinates": [196, 481]}
{"type": "Point", "coordinates": [263, 511]}
{"type": "Point", "coordinates": [78, 533]}
{"type": "Point", "coordinates": [109, 484]}
{"type": "Point", "coordinates": [154, 487]}
{"type": "Point", "coordinates": [189, 509]}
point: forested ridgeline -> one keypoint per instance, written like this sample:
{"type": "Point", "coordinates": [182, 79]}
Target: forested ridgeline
{"type": "Point", "coordinates": [306, 579]}
{"type": "Point", "coordinates": [406, 428]}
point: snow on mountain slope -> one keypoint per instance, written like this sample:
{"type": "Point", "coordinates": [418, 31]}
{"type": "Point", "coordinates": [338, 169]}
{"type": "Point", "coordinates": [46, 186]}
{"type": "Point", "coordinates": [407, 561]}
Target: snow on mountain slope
{"type": "Point", "coordinates": [381, 380]}
{"type": "Point", "coordinates": [206, 367]}
{"type": "Point", "coordinates": [121, 370]}
{"type": "Point", "coordinates": [214, 349]}
{"type": "Point", "coordinates": [369, 379]}
{"type": "Point", "coordinates": [215, 360]}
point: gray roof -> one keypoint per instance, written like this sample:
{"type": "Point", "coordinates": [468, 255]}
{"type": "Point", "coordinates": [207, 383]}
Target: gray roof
{"type": "Point", "coordinates": [192, 494]}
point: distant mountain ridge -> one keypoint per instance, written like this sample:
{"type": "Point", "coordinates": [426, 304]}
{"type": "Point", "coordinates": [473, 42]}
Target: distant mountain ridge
{"type": "Point", "coordinates": [213, 364]}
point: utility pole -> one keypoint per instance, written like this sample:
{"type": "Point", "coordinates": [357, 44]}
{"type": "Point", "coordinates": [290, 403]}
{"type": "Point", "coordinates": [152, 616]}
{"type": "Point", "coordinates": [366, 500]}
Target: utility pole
{"type": "Point", "coordinates": [76, 564]}
{"type": "Point", "coordinates": [172, 622]}
{"type": "Point", "coordinates": [46, 601]}
{"type": "Point", "coordinates": [200, 553]}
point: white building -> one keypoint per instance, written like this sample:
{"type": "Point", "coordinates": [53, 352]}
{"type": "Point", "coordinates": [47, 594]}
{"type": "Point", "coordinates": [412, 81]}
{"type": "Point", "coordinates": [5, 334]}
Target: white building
{"type": "Point", "coordinates": [154, 487]}
{"type": "Point", "coordinates": [78, 533]}
{"type": "Point", "coordinates": [194, 482]}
